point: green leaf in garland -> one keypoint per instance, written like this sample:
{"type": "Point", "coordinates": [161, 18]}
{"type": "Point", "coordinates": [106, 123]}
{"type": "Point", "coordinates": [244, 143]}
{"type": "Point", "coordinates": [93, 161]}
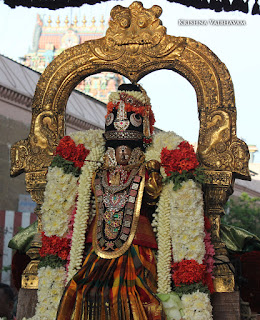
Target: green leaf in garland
{"type": "Point", "coordinates": [178, 178]}
{"type": "Point", "coordinates": [190, 288]}
{"type": "Point", "coordinates": [51, 261]}
{"type": "Point", "coordinates": [67, 166]}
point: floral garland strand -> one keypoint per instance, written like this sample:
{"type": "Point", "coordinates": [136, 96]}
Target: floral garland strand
{"type": "Point", "coordinates": [63, 174]}
{"type": "Point", "coordinates": [197, 306]}
{"type": "Point", "coordinates": [187, 223]}
{"type": "Point", "coordinates": [58, 202]}
{"type": "Point", "coordinates": [181, 165]}
{"type": "Point", "coordinates": [164, 242]}
{"type": "Point", "coordinates": [54, 251]}
{"type": "Point", "coordinates": [184, 205]}
{"type": "Point", "coordinates": [162, 140]}
{"type": "Point", "coordinates": [83, 209]}
{"type": "Point", "coordinates": [51, 286]}
{"type": "Point", "coordinates": [90, 138]}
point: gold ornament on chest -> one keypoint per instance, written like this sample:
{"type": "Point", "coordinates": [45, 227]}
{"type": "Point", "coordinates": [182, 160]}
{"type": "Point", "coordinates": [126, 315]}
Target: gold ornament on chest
{"type": "Point", "coordinates": [118, 209]}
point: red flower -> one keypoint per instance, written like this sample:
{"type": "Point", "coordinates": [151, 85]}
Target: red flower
{"type": "Point", "coordinates": [208, 281]}
{"type": "Point", "coordinates": [207, 223]}
{"type": "Point", "coordinates": [147, 141]}
{"type": "Point", "coordinates": [81, 154]}
{"type": "Point", "coordinates": [55, 246]}
{"type": "Point", "coordinates": [188, 272]}
{"type": "Point", "coordinates": [68, 150]}
{"type": "Point", "coordinates": [180, 159]}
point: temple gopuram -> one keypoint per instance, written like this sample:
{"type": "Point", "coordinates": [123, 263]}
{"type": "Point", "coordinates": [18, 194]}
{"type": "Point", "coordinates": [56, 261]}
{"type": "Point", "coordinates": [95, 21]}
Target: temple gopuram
{"type": "Point", "coordinates": [53, 37]}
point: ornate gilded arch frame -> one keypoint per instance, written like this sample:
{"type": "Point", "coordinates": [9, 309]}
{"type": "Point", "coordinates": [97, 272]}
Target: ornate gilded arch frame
{"type": "Point", "coordinates": [135, 45]}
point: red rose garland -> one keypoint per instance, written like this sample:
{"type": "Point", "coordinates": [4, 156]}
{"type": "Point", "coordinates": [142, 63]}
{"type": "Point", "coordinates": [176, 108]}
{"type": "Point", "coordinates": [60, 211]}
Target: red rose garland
{"type": "Point", "coordinates": [68, 150]}
{"type": "Point", "coordinates": [208, 281]}
{"type": "Point", "coordinates": [180, 159]}
{"type": "Point", "coordinates": [180, 165]}
{"type": "Point", "coordinates": [188, 272]}
{"type": "Point", "coordinates": [55, 246]}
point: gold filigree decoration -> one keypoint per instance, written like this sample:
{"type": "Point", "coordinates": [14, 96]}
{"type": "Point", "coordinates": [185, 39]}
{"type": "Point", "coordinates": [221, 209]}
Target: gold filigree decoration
{"type": "Point", "coordinates": [45, 131]}
{"type": "Point", "coordinates": [19, 154]}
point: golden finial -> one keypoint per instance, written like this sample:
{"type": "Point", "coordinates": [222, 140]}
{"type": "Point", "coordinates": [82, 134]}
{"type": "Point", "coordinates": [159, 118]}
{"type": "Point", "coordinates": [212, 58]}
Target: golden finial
{"type": "Point", "coordinates": [102, 21]}
{"type": "Point", "coordinates": [75, 21]}
{"type": "Point", "coordinates": [93, 21]}
{"type": "Point", "coordinates": [84, 21]}
{"type": "Point", "coordinates": [66, 21]}
{"type": "Point", "coordinates": [49, 21]}
{"type": "Point", "coordinates": [58, 21]}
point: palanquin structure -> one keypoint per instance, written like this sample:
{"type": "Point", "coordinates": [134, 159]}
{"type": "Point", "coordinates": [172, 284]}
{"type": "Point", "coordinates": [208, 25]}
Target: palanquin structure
{"type": "Point", "coordinates": [135, 45]}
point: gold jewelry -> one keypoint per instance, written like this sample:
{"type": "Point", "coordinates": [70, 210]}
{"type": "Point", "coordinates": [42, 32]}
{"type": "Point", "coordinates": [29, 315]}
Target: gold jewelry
{"type": "Point", "coordinates": [123, 135]}
{"type": "Point", "coordinates": [110, 158]}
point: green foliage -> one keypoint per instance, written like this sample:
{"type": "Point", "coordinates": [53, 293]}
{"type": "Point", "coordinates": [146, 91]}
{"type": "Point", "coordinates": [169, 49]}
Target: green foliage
{"type": "Point", "coordinates": [244, 212]}
{"type": "Point", "coordinates": [67, 166]}
{"type": "Point", "coordinates": [187, 289]}
{"type": "Point", "coordinates": [51, 261]}
{"type": "Point", "coordinates": [178, 178]}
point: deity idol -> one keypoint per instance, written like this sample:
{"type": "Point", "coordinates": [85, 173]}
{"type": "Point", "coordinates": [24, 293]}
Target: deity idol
{"type": "Point", "coordinates": [129, 244]}
{"type": "Point", "coordinates": [118, 278]}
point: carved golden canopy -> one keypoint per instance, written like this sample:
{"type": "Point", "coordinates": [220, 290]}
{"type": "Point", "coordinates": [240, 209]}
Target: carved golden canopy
{"type": "Point", "coordinates": [135, 45]}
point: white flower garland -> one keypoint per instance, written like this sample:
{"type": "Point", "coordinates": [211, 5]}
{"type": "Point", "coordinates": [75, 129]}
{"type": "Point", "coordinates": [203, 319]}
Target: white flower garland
{"type": "Point", "coordinates": [83, 210]}
{"type": "Point", "coordinates": [58, 205]}
{"type": "Point", "coordinates": [162, 140]}
{"type": "Point", "coordinates": [164, 241]}
{"type": "Point", "coordinates": [179, 223]}
{"type": "Point", "coordinates": [161, 221]}
{"type": "Point", "coordinates": [51, 286]}
{"type": "Point", "coordinates": [197, 306]}
{"type": "Point", "coordinates": [90, 138]}
{"type": "Point", "coordinates": [187, 223]}
{"type": "Point", "coordinates": [58, 202]}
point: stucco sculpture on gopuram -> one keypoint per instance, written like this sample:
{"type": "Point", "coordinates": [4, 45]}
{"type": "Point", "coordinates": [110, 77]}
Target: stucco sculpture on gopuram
{"type": "Point", "coordinates": [129, 220]}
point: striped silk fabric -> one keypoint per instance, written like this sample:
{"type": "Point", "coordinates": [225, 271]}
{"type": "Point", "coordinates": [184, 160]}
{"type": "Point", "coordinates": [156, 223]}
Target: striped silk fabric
{"type": "Point", "coordinates": [10, 223]}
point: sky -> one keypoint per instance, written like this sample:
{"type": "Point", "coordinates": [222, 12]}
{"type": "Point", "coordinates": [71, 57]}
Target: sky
{"type": "Point", "coordinates": [173, 97]}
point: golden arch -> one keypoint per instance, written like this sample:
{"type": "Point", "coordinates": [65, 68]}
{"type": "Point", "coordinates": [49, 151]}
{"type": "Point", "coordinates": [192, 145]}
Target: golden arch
{"type": "Point", "coordinates": [135, 45]}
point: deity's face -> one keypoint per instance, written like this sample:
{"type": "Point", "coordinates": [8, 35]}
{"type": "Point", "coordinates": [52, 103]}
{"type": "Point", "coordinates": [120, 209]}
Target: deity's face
{"type": "Point", "coordinates": [123, 154]}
